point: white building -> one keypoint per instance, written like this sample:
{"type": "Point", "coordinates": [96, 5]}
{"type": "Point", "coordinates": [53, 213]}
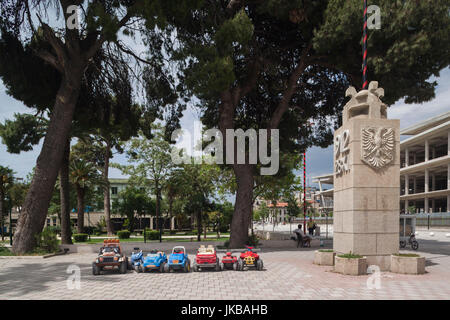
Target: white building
{"type": "Point", "coordinates": [425, 166]}
{"type": "Point", "coordinates": [424, 172]}
{"type": "Point", "coordinates": [324, 197]}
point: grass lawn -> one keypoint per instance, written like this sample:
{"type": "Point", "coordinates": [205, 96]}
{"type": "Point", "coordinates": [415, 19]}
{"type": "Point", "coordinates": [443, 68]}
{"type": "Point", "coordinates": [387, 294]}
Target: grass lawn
{"type": "Point", "coordinates": [6, 252]}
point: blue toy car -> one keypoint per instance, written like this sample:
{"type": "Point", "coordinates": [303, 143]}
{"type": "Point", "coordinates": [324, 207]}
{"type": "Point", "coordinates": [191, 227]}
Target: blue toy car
{"type": "Point", "coordinates": [136, 260]}
{"type": "Point", "coordinates": [155, 260]}
{"type": "Point", "coordinates": [179, 260]}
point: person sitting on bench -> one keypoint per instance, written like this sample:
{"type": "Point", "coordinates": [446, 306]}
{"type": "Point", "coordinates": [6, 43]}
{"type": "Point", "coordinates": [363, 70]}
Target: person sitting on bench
{"type": "Point", "coordinates": [302, 238]}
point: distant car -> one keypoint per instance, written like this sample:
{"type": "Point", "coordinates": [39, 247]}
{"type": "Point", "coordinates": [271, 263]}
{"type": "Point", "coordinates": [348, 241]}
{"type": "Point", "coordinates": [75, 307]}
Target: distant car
{"type": "Point", "coordinates": [206, 258]}
{"type": "Point", "coordinates": [155, 260]}
{"type": "Point", "coordinates": [111, 256]}
{"type": "Point", "coordinates": [179, 260]}
{"type": "Point", "coordinates": [249, 259]}
{"type": "Point", "coordinates": [136, 260]}
{"type": "Point", "coordinates": [229, 261]}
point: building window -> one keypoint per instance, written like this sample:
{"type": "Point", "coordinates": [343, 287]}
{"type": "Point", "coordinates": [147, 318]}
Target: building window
{"type": "Point", "coordinates": [114, 190]}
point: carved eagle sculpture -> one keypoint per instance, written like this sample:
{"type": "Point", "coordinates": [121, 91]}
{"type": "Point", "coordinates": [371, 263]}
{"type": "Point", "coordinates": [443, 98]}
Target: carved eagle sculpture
{"type": "Point", "coordinates": [377, 146]}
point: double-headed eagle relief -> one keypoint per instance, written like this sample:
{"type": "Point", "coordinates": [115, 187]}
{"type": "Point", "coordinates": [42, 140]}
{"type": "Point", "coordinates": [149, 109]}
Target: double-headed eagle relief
{"type": "Point", "coordinates": [377, 146]}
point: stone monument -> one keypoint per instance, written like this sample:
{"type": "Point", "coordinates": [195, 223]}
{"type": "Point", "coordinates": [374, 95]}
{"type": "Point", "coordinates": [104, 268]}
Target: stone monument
{"type": "Point", "coordinates": [367, 179]}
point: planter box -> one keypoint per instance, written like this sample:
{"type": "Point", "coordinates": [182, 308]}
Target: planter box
{"type": "Point", "coordinates": [350, 266]}
{"type": "Point", "coordinates": [324, 258]}
{"type": "Point", "coordinates": [407, 265]}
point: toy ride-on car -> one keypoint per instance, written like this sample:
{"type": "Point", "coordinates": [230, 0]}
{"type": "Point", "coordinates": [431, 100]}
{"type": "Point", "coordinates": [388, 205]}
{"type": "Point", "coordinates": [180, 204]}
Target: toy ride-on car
{"type": "Point", "coordinates": [206, 258]}
{"type": "Point", "coordinates": [155, 260]}
{"type": "Point", "coordinates": [111, 256]}
{"type": "Point", "coordinates": [250, 259]}
{"type": "Point", "coordinates": [136, 260]}
{"type": "Point", "coordinates": [229, 261]}
{"type": "Point", "coordinates": [178, 260]}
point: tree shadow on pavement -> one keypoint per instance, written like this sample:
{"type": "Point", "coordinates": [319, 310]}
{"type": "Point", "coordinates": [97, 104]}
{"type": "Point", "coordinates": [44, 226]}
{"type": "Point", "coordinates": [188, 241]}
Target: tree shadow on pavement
{"type": "Point", "coordinates": [25, 278]}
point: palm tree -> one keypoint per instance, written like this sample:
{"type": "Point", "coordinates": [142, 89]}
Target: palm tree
{"type": "Point", "coordinates": [83, 175]}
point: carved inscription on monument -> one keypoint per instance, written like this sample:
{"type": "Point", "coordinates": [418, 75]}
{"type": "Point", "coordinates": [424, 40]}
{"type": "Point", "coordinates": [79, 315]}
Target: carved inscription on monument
{"type": "Point", "coordinates": [377, 146]}
{"type": "Point", "coordinates": [341, 150]}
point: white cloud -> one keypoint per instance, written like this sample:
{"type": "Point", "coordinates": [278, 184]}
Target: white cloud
{"type": "Point", "coordinates": [410, 114]}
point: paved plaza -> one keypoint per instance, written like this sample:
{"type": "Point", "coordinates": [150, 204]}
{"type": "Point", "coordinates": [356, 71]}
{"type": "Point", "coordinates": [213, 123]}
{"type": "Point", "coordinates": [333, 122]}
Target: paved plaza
{"type": "Point", "coordinates": [288, 274]}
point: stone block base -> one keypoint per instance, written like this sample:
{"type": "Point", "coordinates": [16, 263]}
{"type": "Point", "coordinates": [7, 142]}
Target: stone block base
{"type": "Point", "coordinates": [350, 266]}
{"type": "Point", "coordinates": [407, 265]}
{"type": "Point", "coordinates": [324, 258]}
{"type": "Point", "coordinates": [383, 262]}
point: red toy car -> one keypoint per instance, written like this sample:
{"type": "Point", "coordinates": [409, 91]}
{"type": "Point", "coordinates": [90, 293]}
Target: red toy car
{"type": "Point", "coordinates": [250, 259]}
{"type": "Point", "coordinates": [229, 261]}
{"type": "Point", "coordinates": [206, 258]}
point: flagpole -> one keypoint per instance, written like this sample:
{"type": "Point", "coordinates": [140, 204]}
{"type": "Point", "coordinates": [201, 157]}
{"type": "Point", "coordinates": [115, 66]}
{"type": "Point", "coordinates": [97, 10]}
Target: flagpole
{"type": "Point", "coordinates": [364, 86]}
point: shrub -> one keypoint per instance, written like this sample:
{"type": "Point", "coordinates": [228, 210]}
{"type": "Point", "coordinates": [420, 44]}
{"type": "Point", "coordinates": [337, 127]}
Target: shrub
{"type": "Point", "coordinates": [253, 240]}
{"type": "Point", "coordinates": [151, 235]}
{"type": "Point", "coordinates": [408, 255]}
{"type": "Point", "coordinates": [5, 251]}
{"type": "Point", "coordinates": [80, 237]}
{"type": "Point", "coordinates": [47, 240]}
{"type": "Point", "coordinates": [55, 229]}
{"type": "Point", "coordinates": [223, 229]}
{"type": "Point", "coordinates": [123, 234]}
{"type": "Point", "coordinates": [350, 255]}
{"type": "Point", "coordinates": [89, 229]}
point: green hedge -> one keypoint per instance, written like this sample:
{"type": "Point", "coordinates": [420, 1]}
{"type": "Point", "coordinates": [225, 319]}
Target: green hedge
{"type": "Point", "coordinates": [124, 234]}
{"type": "Point", "coordinates": [80, 237]}
{"type": "Point", "coordinates": [151, 235]}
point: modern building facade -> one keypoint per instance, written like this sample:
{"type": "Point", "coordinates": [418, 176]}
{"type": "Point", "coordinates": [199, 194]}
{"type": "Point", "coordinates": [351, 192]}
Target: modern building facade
{"type": "Point", "coordinates": [424, 171]}
{"type": "Point", "coordinates": [324, 196]}
{"type": "Point", "coordinates": [425, 166]}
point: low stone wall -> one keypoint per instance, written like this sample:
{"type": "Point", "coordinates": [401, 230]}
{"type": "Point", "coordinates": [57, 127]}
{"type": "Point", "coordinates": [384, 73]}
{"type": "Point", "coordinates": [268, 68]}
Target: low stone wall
{"type": "Point", "coordinates": [270, 235]}
{"type": "Point", "coordinates": [324, 258]}
{"type": "Point", "coordinates": [407, 265]}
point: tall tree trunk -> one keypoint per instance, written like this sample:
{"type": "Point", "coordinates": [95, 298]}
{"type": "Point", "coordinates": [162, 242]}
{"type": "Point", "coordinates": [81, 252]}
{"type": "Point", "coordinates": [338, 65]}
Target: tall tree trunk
{"type": "Point", "coordinates": [66, 228]}
{"type": "Point", "coordinates": [2, 199]}
{"type": "Point", "coordinates": [80, 209]}
{"type": "Point", "coordinates": [199, 225]}
{"type": "Point", "coordinates": [158, 207]}
{"type": "Point", "coordinates": [32, 219]}
{"type": "Point", "coordinates": [106, 194]}
{"type": "Point", "coordinates": [243, 206]}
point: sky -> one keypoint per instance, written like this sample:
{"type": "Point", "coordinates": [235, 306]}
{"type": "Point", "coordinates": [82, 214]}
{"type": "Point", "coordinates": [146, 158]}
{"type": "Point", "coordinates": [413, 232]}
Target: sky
{"type": "Point", "coordinates": [318, 161]}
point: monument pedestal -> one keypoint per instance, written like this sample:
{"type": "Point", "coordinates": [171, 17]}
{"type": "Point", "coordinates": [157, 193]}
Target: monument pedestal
{"type": "Point", "coordinates": [367, 179]}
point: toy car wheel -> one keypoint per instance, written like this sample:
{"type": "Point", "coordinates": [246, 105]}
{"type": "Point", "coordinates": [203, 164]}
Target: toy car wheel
{"type": "Point", "coordinates": [129, 266]}
{"type": "Point", "coordinates": [123, 267]}
{"type": "Point", "coordinates": [143, 269]}
{"type": "Point", "coordinates": [240, 265]}
{"type": "Point", "coordinates": [95, 270]}
{"type": "Point", "coordinates": [166, 268]}
{"type": "Point", "coordinates": [259, 265]}
{"type": "Point", "coordinates": [222, 267]}
{"type": "Point", "coordinates": [162, 267]}
{"type": "Point", "coordinates": [187, 266]}
{"type": "Point", "coordinates": [195, 267]}
{"type": "Point", "coordinates": [137, 268]}
{"type": "Point", "coordinates": [218, 268]}
{"type": "Point", "coordinates": [235, 266]}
